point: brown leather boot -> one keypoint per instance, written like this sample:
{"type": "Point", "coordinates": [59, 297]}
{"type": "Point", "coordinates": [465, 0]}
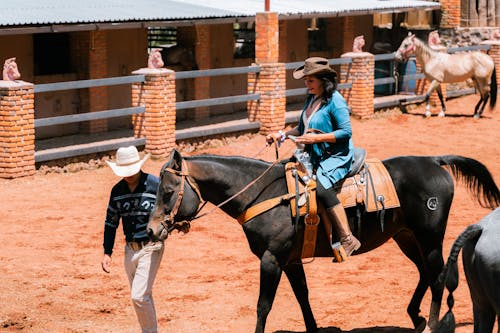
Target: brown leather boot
{"type": "Point", "coordinates": [341, 225]}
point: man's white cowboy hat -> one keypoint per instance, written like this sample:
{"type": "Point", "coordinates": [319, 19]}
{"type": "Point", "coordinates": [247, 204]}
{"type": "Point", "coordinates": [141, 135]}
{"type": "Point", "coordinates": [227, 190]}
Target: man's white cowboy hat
{"type": "Point", "coordinates": [128, 162]}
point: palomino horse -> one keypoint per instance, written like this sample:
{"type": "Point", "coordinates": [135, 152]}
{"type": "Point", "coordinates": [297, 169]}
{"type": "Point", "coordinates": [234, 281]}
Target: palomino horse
{"type": "Point", "coordinates": [481, 259]}
{"type": "Point", "coordinates": [425, 191]}
{"type": "Point", "coordinates": [440, 67]}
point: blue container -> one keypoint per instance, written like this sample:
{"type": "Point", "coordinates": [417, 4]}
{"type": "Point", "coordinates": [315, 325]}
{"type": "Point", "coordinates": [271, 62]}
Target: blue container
{"type": "Point", "coordinates": [409, 86]}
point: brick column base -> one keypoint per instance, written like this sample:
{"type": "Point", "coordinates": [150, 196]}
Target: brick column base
{"type": "Point", "coordinates": [361, 74]}
{"type": "Point", "coordinates": [17, 129]}
{"type": "Point", "coordinates": [157, 124]}
{"type": "Point", "coordinates": [270, 109]}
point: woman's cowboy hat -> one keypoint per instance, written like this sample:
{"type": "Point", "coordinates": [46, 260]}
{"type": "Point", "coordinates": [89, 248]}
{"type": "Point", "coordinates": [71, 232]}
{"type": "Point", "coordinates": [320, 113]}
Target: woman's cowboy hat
{"type": "Point", "coordinates": [313, 65]}
{"type": "Point", "coordinates": [128, 162]}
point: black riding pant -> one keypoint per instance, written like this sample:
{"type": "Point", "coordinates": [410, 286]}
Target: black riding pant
{"type": "Point", "coordinates": [328, 197]}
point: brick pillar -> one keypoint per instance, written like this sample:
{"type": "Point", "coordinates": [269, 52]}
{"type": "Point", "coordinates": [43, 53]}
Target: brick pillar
{"type": "Point", "coordinates": [157, 124]}
{"type": "Point", "coordinates": [270, 109]}
{"type": "Point", "coordinates": [450, 14]}
{"type": "Point", "coordinates": [98, 69]}
{"type": "Point", "coordinates": [494, 52]}
{"type": "Point", "coordinates": [17, 129]}
{"type": "Point", "coordinates": [202, 84]}
{"type": "Point", "coordinates": [271, 81]}
{"type": "Point", "coordinates": [266, 37]}
{"type": "Point", "coordinates": [361, 74]}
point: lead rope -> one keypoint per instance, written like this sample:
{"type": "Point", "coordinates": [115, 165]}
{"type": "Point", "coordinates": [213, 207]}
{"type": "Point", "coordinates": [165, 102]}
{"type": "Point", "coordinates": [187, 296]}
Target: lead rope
{"type": "Point", "coordinates": [244, 188]}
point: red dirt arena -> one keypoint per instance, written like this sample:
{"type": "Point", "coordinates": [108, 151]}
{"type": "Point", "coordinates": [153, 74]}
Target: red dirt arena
{"type": "Point", "coordinates": [52, 223]}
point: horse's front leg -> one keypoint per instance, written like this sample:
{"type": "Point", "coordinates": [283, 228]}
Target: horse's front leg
{"type": "Point", "coordinates": [433, 86]}
{"type": "Point", "coordinates": [296, 276]}
{"type": "Point", "coordinates": [270, 275]}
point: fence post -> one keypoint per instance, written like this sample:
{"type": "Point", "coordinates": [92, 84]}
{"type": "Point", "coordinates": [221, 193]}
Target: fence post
{"type": "Point", "coordinates": [362, 75]}
{"type": "Point", "coordinates": [157, 124]}
{"type": "Point", "coordinates": [17, 129]}
{"type": "Point", "coordinates": [494, 52]}
{"type": "Point", "coordinates": [271, 81]}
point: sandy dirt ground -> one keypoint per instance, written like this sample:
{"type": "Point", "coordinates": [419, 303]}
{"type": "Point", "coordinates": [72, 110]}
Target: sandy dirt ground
{"type": "Point", "coordinates": [51, 247]}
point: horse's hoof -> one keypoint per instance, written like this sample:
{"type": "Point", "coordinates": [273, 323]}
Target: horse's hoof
{"type": "Point", "coordinates": [427, 329]}
{"type": "Point", "coordinates": [427, 114]}
{"type": "Point", "coordinates": [441, 114]}
{"type": "Point", "coordinates": [422, 326]}
{"type": "Point", "coordinates": [477, 116]}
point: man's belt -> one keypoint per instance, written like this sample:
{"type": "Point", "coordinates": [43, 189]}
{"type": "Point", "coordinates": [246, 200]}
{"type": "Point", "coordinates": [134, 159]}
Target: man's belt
{"type": "Point", "coordinates": [138, 245]}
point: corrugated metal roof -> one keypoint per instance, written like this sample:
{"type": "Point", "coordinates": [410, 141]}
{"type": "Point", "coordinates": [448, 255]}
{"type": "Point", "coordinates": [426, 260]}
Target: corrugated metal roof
{"type": "Point", "coordinates": [42, 12]}
{"type": "Point", "coordinates": [301, 7]}
{"type": "Point", "coordinates": [47, 12]}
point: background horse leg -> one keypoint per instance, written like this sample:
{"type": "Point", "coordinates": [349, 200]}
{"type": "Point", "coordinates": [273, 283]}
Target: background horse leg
{"type": "Point", "coordinates": [270, 275]}
{"type": "Point", "coordinates": [441, 99]}
{"type": "Point", "coordinates": [433, 86]}
{"type": "Point", "coordinates": [297, 278]}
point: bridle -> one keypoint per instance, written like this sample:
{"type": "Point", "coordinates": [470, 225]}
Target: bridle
{"type": "Point", "coordinates": [406, 52]}
{"type": "Point", "coordinates": [169, 223]}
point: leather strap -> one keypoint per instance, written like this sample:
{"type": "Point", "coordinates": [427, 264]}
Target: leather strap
{"type": "Point", "coordinates": [262, 207]}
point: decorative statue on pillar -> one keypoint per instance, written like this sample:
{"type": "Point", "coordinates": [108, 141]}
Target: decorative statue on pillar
{"type": "Point", "coordinates": [495, 34]}
{"type": "Point", "coordinates": [154, 59]}
{"type": "Point", "coordinates": [433, 39]}
{"type": "Point", "coordinates": [10, 71]}
{"type": "Point", "coordinates": [357, 46]}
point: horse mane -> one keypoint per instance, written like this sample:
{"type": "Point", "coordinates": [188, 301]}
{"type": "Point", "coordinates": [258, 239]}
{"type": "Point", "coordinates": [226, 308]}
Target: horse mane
{"type": "Point", "coordinates": [424, 48]}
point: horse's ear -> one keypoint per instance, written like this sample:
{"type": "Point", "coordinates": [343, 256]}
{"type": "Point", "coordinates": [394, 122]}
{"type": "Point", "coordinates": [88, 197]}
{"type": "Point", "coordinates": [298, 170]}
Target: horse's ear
{"type": "Point", "coordinates": [176, 159]}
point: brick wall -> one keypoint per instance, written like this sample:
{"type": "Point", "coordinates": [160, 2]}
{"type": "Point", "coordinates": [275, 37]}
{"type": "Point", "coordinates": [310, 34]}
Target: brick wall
{"type": "Point", "coordinates": [98, 69]}
{"type": "Point", "coordinates": [450, 14]}
{"type": "Point", "coordinates": [17, 130]}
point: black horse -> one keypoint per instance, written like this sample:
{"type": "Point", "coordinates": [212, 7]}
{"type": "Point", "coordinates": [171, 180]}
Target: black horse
{"type": "Point", "coordinates": [425, 191]}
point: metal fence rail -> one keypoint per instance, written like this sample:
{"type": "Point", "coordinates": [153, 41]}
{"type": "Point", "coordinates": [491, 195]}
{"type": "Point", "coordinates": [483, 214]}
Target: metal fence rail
{"type": "Point", "coordinates": [76, 150]}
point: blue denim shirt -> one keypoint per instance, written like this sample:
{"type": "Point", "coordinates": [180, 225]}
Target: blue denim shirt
{"type": "Point", "coordinates": [332, 161]}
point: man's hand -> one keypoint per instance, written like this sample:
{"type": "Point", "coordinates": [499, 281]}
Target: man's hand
{"type": "Point", "coordinates": [106, 263]}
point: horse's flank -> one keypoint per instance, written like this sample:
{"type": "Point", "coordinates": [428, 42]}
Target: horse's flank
{"type": "Point", "coordinates": [451, 68]}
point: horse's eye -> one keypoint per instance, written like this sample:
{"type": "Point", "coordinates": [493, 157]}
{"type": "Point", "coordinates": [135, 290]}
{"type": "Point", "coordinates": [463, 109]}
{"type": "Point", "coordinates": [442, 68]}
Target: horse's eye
{"type": "Point", "coordinates": [167, 196]}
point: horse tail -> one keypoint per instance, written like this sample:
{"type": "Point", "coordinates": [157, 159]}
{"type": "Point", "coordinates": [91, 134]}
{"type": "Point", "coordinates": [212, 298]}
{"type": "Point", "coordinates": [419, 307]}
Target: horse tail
{"type": "Point", "coordinates": [493, 88]}
{"type": "Point", "coordinates": [476, 177]}
{"type": "Point", "coordinates": [449, 276]}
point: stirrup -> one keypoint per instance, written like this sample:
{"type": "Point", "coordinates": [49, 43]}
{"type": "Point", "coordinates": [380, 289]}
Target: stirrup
{"type": "Point", "coordinates": [339, 254]}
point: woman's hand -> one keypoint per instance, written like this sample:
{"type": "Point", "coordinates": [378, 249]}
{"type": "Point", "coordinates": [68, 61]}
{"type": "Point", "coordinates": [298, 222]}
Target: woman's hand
{"type": "Point", "coordinates": [307, 139]}
{"type": "Point", "coordinates": [278, 136]}
{"type": "Point", "coordinates": [310, 138]}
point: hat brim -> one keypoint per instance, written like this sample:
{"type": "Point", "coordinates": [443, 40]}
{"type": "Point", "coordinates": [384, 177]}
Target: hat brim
{"type": "Point", "coordinates": [127, 170]}
{"type": "Point", "coordinates": [299, 72]}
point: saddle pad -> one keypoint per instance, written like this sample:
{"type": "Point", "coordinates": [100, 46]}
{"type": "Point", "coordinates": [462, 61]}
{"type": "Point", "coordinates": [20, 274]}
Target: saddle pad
{"type": "Point", "coordinates": [373, 187]}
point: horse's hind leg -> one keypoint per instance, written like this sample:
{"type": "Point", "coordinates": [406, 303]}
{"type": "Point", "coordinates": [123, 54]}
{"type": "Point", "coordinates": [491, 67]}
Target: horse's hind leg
{"type": "Point", "coordinates": [426, 261]}
{"type": "Point", "coordinates": [484, 318]}
{"type": "Point", "coordinates": [297, 278]}
{"type": "Point", "coordinates": [270, 275]}
{"type": "Point", "coordinates": [441, 99]}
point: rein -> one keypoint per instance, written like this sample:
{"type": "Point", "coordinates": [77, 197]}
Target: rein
{"type": "Point", "coordinates": [184, 174]}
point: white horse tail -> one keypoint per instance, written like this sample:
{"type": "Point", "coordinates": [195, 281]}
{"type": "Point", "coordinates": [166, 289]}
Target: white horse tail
{"type": "Point", "coordinates": [449, 276]}
{"type": "Point", "coordinates": [493, 88]}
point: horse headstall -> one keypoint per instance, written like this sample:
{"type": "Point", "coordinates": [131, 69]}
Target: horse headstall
{"type": "Point", "coordinates": [169, 223]}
